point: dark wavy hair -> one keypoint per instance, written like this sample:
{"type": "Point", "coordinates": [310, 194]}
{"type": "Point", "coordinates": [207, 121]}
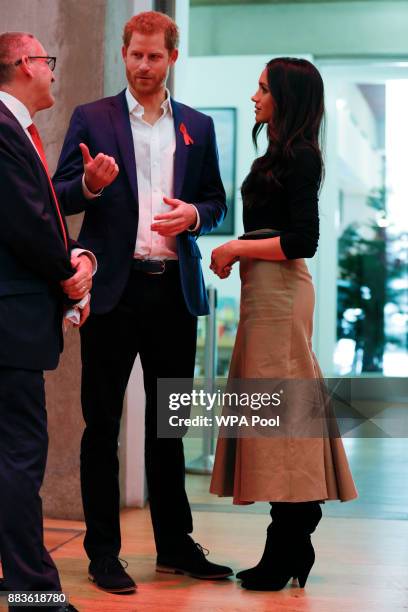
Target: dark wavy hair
{"type": "Point", "coordinates": [297, 119]}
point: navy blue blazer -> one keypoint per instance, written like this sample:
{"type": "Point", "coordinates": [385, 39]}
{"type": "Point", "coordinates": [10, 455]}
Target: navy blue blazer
{"type": "Point", "coordinates": [33, 257]}
{"type": "Point", "coordinates": [110, 223]}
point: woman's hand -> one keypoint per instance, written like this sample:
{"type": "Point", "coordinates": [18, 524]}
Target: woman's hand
{"type": "Point", "coordinates": [223, 258]}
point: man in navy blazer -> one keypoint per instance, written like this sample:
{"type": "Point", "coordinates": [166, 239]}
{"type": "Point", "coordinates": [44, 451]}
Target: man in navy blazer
{"type": "Point", "coordinates": [149, 288]}
{"type": "Point", "coordinates": [40, 268]}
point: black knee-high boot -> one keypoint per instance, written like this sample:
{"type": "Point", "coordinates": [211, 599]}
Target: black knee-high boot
{"type": "Point", "coordinates": [288, 549]}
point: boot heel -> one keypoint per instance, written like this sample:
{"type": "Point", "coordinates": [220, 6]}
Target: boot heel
{"type": "Point", "coordinates": [303, 575]}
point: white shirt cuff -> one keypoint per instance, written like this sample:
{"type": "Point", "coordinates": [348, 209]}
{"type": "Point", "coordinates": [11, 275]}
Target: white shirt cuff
{"type": "Point", "coordinates": [77, 252]}
{"type": "Point", "coordinates": [71, 315]}
{"type": "Point", "coordinates": [197, 225]}
{"type": "Point", "coordinates": [88, 194]}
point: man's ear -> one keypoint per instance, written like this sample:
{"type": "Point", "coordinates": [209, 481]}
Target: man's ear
{"type": "Point", "coordinates": [173, 56]}
{"type": "Point", "coordinates": [124, 52]}
{"type": "Point", "coordinates": [26, 66]}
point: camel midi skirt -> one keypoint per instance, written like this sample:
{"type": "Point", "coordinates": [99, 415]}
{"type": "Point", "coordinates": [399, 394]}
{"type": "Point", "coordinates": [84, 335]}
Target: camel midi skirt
{"type": "Point", "coordinates": [274, 341]}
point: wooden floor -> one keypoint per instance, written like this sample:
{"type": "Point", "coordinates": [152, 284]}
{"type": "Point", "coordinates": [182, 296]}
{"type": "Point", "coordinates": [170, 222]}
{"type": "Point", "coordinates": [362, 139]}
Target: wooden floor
{"type": "Point", "coordinates": [362, 565]}
{"type": "Point", "coordinates": [361, 547]}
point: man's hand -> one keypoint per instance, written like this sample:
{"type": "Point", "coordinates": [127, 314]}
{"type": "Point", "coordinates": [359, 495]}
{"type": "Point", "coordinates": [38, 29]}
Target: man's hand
{"type": "Point", "coordinates": [182, 217]}
{"type": "Point", "coordinates": [80, 283]}
{"type": "Point", "coordinates": [100, 171]}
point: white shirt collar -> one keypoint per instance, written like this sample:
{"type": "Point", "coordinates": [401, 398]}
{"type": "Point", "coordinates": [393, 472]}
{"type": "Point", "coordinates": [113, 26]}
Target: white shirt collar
{"type": "Point", "coordinates": [136, 108]}
{"type": "Point", "coordinates": [19, 110]}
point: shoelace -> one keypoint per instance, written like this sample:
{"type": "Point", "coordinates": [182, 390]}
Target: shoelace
{"type": "Point", "coordinates": [204, 551]}
{"type": "Point", "coordinates": [107, 562]}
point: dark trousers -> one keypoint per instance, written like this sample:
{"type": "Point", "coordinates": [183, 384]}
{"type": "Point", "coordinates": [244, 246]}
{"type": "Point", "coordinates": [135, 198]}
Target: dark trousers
{"type": "Point", "coordinates": [27, 566]}
{"type": "Point", "coordinates": [151, 320]}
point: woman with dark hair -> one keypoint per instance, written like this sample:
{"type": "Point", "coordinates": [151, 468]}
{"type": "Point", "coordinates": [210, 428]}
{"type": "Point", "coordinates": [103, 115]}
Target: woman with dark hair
{"type": "Point", "coordinates": [280, 197]}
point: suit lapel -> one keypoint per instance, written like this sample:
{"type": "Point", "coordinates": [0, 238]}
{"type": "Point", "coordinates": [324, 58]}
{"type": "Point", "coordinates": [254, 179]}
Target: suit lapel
{"type": "Point", "coordinates": [40, 166]}
{"type": "Point", "coordinates": [180, 161]}
{"type": "Point", "coordinates": [123, 132]}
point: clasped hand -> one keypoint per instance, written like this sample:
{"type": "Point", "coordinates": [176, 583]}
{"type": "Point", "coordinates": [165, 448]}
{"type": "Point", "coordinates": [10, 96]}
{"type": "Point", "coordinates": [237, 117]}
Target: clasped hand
{"type": "Point", "coordinates": [223, 258]}
{"type": "Point", "coordinates": [79, 284]}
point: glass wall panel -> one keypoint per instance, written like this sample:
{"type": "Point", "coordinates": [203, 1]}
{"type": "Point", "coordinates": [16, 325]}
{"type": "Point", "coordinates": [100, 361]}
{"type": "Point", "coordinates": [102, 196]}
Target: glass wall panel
{"type": "Point", "coordinates": [372, 228]}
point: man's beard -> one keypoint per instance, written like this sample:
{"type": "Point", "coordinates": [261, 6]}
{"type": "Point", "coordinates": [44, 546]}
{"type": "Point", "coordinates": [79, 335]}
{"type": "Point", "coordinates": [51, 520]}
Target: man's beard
{"type": "Point", "coordinates": [148, 86]}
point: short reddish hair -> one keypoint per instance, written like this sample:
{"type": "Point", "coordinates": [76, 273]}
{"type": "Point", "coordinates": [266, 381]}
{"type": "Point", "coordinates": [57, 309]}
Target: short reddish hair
{"type": "Point", "coordinates": [151, 22]}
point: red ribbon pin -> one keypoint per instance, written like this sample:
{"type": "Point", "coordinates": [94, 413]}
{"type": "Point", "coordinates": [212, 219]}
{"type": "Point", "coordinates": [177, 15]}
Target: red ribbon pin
{"type": "Point", "coordinates": [187, 138]}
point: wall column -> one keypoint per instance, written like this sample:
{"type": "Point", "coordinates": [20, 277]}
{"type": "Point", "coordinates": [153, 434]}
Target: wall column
{"type": "Point", "coordinates": [78, 79]}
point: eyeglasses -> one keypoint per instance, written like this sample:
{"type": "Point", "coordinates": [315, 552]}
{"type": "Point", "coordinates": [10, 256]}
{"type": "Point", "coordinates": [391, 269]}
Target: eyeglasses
{"type": "Point", "coordinates": [51, 61]}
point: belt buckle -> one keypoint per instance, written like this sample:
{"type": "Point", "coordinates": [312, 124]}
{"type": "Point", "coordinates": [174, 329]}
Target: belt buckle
{"type": "Point", "coordinates": [163, 267]}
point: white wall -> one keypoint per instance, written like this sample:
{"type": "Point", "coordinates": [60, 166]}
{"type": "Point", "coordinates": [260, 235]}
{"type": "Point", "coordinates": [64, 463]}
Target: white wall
{"type": "Point", "coordinates": [357, 138]}
{"type": "Point", "coordinates": [360, 110]}
{"type": "Point", "coordinates": [131, 441]}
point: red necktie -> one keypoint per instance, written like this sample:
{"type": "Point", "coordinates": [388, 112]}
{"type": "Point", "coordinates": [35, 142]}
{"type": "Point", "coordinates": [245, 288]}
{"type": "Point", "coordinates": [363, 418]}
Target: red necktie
{"type": "Point", "coordinates": [39, 146]}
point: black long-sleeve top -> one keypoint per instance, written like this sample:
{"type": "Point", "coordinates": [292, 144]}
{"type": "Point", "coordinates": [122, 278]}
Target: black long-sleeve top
{"type": "Point", "coordinates": [291, 207]}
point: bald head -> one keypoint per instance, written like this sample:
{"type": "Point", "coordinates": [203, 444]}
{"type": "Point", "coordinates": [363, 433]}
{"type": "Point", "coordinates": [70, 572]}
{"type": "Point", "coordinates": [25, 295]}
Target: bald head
{"type": "Point", "coordinates": [12, 46]}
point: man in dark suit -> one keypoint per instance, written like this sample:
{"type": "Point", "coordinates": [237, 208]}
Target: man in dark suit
{"type": "Point", "coordinates": [149, 288]}
{"type": "Point", "coordinates": [40, 268]}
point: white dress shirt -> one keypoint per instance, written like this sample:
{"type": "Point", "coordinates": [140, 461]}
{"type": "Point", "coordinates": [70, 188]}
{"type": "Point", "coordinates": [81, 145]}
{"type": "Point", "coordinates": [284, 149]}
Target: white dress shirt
{"type": "Point", "coordinates": [155, 146]}
{"type": "Point", "coordinates": [20, 111]}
